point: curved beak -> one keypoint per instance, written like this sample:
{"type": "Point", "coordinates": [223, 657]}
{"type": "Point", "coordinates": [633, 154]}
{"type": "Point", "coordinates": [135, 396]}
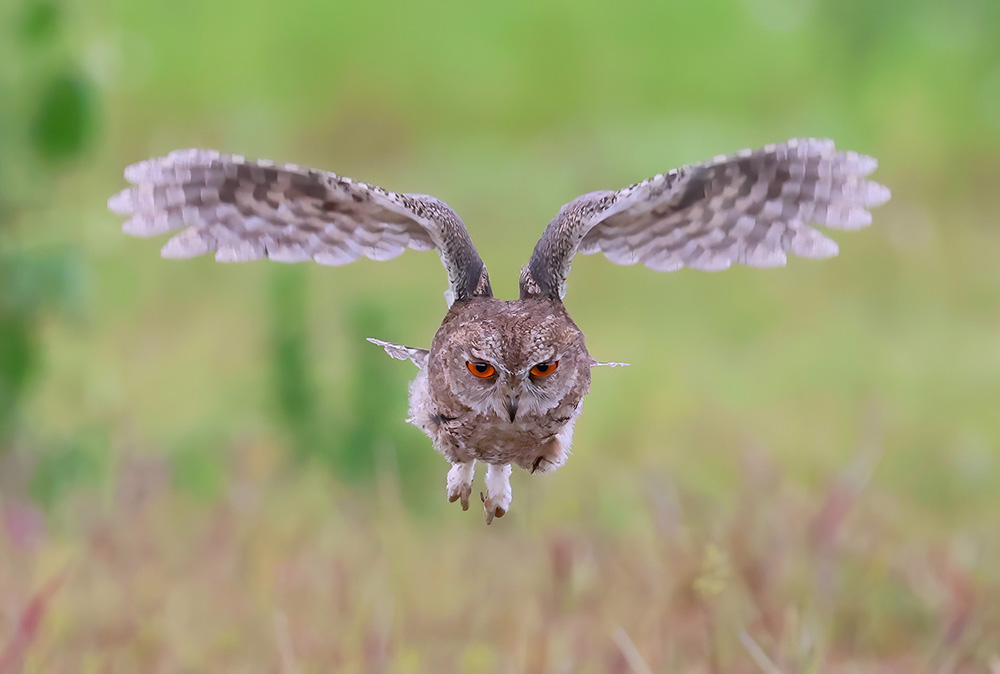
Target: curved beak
{"type": "Point", "coordinates": [512, 407]}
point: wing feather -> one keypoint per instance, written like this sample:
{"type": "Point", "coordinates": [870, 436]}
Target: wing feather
{"type": "Point", "coordinates": [246, 210]}
{"type": "Point", "coordinates": [752, 207]}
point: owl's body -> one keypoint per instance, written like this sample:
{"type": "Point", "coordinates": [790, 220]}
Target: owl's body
{"type": "Point", "coordinates": [510, 414]}
{"type": "Point", "coordinates": [504, 381]}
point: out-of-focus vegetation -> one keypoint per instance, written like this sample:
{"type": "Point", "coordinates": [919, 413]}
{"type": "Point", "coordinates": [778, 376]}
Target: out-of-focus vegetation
{"type": "Point", "coordinates": [205, 467]}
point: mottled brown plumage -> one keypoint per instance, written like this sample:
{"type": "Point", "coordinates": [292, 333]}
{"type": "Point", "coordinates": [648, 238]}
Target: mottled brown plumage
{"type": "Point", "coordinates": [511, 417]}
{"type": "Point", "coordinates": [504, 381]}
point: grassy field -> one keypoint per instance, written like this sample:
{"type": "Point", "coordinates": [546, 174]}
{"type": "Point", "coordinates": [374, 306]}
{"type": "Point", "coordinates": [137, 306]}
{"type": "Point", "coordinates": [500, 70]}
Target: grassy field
{"type": "Point", "coordinates": [205, 467]}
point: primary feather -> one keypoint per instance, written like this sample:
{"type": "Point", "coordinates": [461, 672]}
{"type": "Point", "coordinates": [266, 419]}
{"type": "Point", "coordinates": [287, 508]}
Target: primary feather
{"type": "Point", "coordinates": [248, 210]}
{"type": "Point", "coordinates": [751, 207]}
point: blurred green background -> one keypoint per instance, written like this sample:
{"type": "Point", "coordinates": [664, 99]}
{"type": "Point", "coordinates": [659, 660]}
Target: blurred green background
{"type": "Point", "coordinates": [205, 467]}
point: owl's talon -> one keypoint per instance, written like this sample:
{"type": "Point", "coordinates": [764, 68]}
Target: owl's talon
{"type": "Point", "coordinates": [461, 493]}
{"type": "Point", "coordinates": [460, 482]}
{"type": "Point", "coordinates": [496, 500]}
{"type": "Point", "coordinates": [493, 509]}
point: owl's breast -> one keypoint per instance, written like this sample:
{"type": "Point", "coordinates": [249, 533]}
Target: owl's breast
{"type": "Point", "coordinates": [498, 440]}
{"type": "Point", "coordinates": [462, 434]}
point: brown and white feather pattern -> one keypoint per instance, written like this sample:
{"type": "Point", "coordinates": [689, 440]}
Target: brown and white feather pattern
{"type": "Point", "coordinates": [751, 207]}
{"type": "Point", "coordinates": [504, 381]}
{"type": "Point", "coordinates": [248, 210]}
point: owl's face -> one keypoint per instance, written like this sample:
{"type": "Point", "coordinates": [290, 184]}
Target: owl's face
{"type": "Point", "coordinates": [510, 360]}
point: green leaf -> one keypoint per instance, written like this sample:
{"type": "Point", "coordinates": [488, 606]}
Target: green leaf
{"type": "Point", "coordinates": [18, 361]}
{"type": "Point", "coordinates": [40, 21]}
{"type": "Point", "coordinates": [64, 120]}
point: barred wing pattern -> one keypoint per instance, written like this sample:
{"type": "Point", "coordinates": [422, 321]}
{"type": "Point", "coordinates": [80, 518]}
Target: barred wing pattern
{"type": "Point", "coordinates": [751, 207]}
{"type": "Point", "coordinates": [248, 210]}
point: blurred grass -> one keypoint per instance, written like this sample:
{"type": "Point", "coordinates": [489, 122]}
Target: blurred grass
{"type": "Point", "coordinates": [801, 463]}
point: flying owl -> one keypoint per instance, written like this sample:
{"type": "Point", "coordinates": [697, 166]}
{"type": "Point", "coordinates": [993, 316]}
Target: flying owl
{"type": "Point", "coordinates": [503, 381]}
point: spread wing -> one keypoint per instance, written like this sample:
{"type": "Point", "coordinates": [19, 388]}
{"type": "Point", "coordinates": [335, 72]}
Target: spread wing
{"type": "Point", "coordinates": [248, 210]}
{"type": "Point", "coordinates": [751, 207]}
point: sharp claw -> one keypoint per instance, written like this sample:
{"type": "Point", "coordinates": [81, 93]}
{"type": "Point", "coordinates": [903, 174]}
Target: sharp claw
{"type": "Point", "coordinates": [460, 484]}
{"type": "Point", "coordinates": [496, 498]}
{"type": "Point", "coordinates": [538, 464]}
{"type": "Point", "coordinates": [463, 495]}
{"type": "Point", "coordinates": [490, 513]}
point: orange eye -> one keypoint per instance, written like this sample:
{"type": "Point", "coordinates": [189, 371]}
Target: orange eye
{"type": "Point", "coordinates": [545, 369]}
{"type": "Point", "coordinates": [480, 369]}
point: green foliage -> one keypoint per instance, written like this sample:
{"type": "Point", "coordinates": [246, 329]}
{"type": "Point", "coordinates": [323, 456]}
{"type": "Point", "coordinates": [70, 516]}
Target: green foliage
{"type": "Point", "coordinates": [80, 463]}
{"type": "Point", "coordinates": [371, 424]}
{"type": "Point", "coordinates": [40, 21]}
{"type": "Point", "coordinates": [365, 434]}
{"type": "Point", "coordinates": [64, 121]}
{"type": "Point", "coordinates": [31, 285]}
{"type": "Point", "coordinates": [50, 279]}
{"type": "Point", "coordinates": [32, 282]}
{"type": "Point", "coordinates": [714, 457]}
{"type": "Point", "coordinates": [296, 407]}
{"type": "Point", "coordinates": [197, 467]}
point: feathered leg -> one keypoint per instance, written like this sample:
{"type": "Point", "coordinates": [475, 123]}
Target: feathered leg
{"type": "Point", "coordinates": [498, 495]}
{"type": "Point", "coordinates": [460, 482]}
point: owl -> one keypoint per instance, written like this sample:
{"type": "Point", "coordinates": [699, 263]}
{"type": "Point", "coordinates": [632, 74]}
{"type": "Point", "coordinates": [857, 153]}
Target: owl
{"type": "Point", "coordinates": [503, 381]}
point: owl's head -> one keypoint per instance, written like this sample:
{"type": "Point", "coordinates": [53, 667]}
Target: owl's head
{"type": "Point", "coordinates": [510, 359]}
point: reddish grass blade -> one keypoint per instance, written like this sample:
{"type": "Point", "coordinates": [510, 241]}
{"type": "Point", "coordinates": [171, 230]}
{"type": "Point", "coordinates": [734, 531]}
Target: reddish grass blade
{"type": "Point", "coordinates": [12, 657]}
